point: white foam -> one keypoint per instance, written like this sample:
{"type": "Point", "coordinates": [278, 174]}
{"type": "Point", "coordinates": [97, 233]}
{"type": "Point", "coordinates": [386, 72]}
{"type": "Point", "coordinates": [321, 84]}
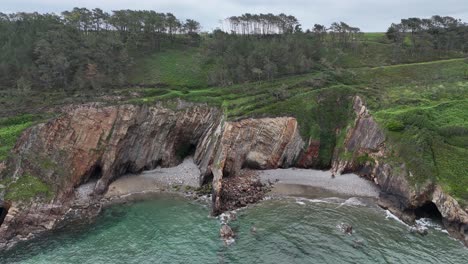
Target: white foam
{"type": "Point", "coordinates": [229, 241]}
{"type": "Point", "coordinates": [428, 223]}
{"type": "Point", "coordinates": [389, 215]}
{"type": "Point", "coordinates": [313, 200]}
{"type": "Point", "coordinates": [353, 201]}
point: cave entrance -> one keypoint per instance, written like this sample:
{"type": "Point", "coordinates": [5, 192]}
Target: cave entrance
{"type": "Point", "coordinates": [94, 174]}
{"type": "Point", "coordinates": [185, 150]}
{"type": "Point", "coordinates": [428, 210]}
{"type": "Point", "coordinates": [3, 212]}
{"type": "Point", "coordinates": [208, 179]}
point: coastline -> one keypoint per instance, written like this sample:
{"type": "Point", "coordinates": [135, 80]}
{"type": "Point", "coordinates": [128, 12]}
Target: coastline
{"type": "Point", "coordinates": [316, 183]}
{"type": "Point", "coordinates": [183, 179]}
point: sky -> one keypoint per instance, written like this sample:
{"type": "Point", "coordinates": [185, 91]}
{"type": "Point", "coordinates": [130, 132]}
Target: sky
{"type": "Point", "coordinates": [368, 15]}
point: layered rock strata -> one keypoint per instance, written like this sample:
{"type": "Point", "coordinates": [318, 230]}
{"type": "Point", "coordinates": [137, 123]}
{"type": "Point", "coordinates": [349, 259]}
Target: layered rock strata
{"type": "Point", "coordinates": [95, 144]}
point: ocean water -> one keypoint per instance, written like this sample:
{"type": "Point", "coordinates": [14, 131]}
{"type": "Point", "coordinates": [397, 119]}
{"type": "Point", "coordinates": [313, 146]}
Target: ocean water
{"type": "Point", "coordinates": [172, 229]}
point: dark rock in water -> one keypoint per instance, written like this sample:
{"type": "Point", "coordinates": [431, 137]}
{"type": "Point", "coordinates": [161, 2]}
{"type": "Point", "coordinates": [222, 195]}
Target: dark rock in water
{"type": "Point", "coordinates": [226, 232]}
{"type": "Point", "coordinates": [419, 230]}
{"type": "Point", "coordinates": [346, 228]}
{"type": "Point", "coordinates": [358, 243]}
{"type": "Point", "coordinates": [118, 214]}
{"type": "Point", "coordinates": [241, 191]}
{"type": "Point", "coordinates": [232, 216]}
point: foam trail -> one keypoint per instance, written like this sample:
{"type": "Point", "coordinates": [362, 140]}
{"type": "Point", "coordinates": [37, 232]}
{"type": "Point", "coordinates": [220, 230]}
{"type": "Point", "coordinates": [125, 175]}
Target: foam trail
{"type": "Point", "coordinates": [392, 216]}
{"type": "Point", "coordinates": [428, 223]}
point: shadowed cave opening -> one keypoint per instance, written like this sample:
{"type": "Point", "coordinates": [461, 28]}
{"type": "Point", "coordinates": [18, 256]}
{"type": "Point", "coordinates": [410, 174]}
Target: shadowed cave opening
{"type": "Point", "coordinates": [185, 150]}
{"type": "Point", "coordinates": [3, 212]}
{"type": "Point", "coordinates": [94, 174]}
{"type": "Point", "coordinates": [428, 210]}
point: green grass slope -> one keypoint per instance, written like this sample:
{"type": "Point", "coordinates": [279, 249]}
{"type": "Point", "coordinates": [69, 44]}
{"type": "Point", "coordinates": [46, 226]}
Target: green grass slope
{"type": "Point", "coordinates": [171, 67]}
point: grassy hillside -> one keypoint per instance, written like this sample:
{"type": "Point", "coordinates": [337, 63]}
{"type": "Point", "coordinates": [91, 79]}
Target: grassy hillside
{"type": "Point", "coordinates": [423, 106]}
{"type": "Point", "coordinates": [172, 67]}
{"type": "Point", "coordinates": [11, 128]}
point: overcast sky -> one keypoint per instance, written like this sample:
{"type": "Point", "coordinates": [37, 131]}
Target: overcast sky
{"type": "Point", "coordinates": [369, 15]}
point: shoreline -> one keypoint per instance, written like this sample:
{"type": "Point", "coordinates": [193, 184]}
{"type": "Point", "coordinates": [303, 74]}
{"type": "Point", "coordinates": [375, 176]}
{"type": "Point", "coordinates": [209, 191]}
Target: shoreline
{"type": "Point", "coordinates": [292, 181]}
{"type": "Point", "coordinates": [185, 175]}
{"type": "Point", "coordinates": [316, 183]}
{"type": "Point", "coordinates": [183, 179]}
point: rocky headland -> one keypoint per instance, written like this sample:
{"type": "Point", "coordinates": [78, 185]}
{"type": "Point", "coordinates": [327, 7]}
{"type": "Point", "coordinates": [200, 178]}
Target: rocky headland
{"type": "Point", "coordinates": [91, 151]}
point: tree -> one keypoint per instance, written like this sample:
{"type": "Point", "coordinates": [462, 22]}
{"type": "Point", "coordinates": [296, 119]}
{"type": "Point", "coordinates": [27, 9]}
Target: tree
{"type": "Point", "coordinates": [320, 31]}
{"type": "Point", "coordinates": [191, 26]}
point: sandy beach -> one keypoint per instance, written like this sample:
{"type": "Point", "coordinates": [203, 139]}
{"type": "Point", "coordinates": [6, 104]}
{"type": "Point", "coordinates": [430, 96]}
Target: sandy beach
{"type": "Point", "coordinates": [316, 183]}
{"type": "Point", "coordinates": [159, 179]}
{"type": "Point", "coordinates": [295, 182]}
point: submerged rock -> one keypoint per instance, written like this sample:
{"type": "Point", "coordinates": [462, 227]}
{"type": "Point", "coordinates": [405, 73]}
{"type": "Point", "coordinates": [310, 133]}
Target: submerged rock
{"type": "Point", "coordinates": [227, 234]}
{"type": "Point", "coordinates": [346, 228]}
{"type": "Point", "coordinates": [253, 230]}
{"type": "Point", "coordinates": [358, 243]}
{"type": "Point", "coordinates": [421, 230]}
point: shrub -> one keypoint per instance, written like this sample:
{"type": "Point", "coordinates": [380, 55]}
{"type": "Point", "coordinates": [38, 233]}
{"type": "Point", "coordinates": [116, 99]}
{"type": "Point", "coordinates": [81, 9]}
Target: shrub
{"type": "Point", "coordinates": [26, 188]}
{"type": "Point", "coordinates": [395, 125]}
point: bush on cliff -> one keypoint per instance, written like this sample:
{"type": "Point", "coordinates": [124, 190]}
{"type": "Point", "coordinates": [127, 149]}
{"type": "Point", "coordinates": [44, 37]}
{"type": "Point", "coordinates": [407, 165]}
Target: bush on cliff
{"type": "Point", "coordinates": [26, 188]}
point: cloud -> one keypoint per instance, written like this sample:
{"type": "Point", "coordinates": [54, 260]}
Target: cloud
{"type": "Point", "coordinates": [369, 15]}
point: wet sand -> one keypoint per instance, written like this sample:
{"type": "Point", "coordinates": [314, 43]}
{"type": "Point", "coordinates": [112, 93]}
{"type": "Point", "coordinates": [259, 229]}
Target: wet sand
{"type": "Point", "coordinates": [316, 183]}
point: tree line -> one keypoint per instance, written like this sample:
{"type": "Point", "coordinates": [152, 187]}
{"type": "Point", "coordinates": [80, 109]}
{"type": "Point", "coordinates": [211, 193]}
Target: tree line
{"type": "Point", "coordinates": [82, 48]}
{"type": "Point", "coordinates": [266, 46]}
{"type": "Point", "coordinates": [263, 24]}
{"type": "Point", "coordinates": [238, 59]}
{"type": "Point", "coordinates": [91, 49]}
{"type": "Point", "coordinates": [424, 35]}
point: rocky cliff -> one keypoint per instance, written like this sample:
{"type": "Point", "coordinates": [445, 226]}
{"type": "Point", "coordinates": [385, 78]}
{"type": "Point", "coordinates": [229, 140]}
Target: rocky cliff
{"type": "Point", "coordinates": [96, 144]}
{"type": "Point", "coordinates": [266, 143]}
{"type": "Point", "coordinates": [365, 152]}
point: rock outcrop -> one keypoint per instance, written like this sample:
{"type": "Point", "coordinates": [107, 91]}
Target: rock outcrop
{"type": "Point", "coordinates": [266, 143]}
{"type": "Point", "coordinates": [91, 141]}
{"type": "Point", "coordinates": [365, 152]}
{"type": "Point", "coordinates": [94, 144]}
{"type": "Point", "coordinates": [98, 143]}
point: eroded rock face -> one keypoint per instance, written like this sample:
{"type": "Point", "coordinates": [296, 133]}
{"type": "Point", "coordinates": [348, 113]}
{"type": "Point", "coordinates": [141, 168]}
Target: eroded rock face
{"type": "Point", "coordinates": [266, 143]}
{"type": "Point", "coordinates": [104, 142]}
{"type": "Point", "coordinates": [99, 142]}
{"type": "Point", "coordinates": [366, 139]}
{"type": "Point", "coordinates": [309, 158]}
{"type": "Point", "coordinates": [454, 217]}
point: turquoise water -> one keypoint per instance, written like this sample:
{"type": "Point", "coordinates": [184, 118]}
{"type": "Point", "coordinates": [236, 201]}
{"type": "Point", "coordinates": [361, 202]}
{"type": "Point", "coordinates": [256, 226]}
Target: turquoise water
{"type": "Point", "coordinates": [174, 230]}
